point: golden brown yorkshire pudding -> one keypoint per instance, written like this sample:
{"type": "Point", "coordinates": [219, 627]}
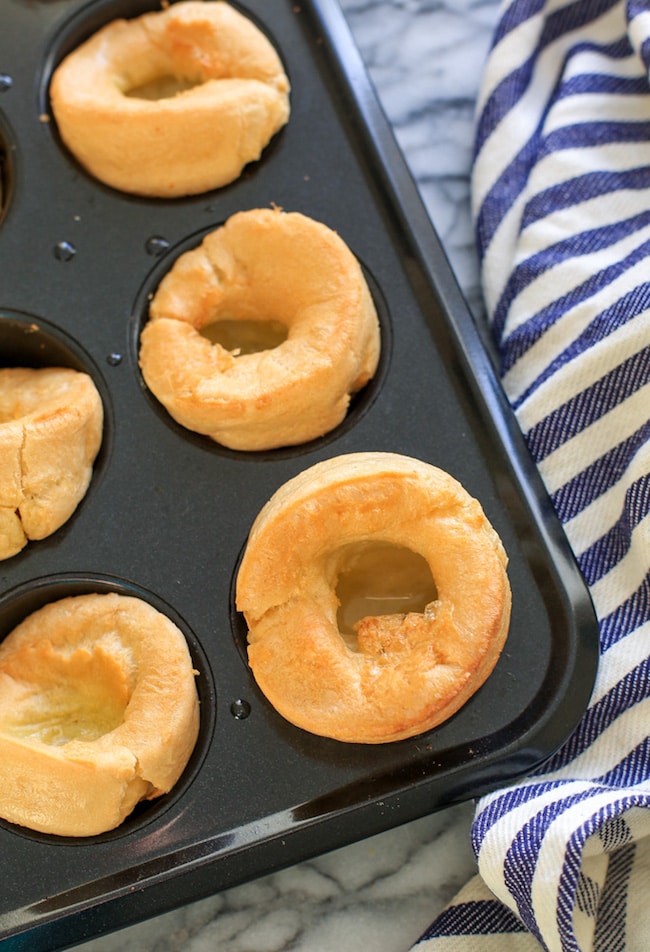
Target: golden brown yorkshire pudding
{"type": "Point", "coordinates": [98, 710]}
{"type": "Point", "coordinates": [174, 102]}
{"type": "Point", "coordinates": [404, 673]}
{"type": "Point", "coordinates": [272, 267]}
{"type": "Point", "coordinates": [51, 423]}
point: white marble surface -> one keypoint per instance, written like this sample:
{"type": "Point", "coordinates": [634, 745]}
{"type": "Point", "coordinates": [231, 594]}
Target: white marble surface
{"type": "Point", "coordinates": [374, 896]}
{"type": "Point", "coordinates": [425, 58]}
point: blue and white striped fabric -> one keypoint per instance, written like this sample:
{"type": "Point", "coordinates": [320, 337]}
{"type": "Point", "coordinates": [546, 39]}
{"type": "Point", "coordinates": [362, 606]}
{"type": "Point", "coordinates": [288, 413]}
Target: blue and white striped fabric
{"type": "Point", "coordinates": [561, 191]}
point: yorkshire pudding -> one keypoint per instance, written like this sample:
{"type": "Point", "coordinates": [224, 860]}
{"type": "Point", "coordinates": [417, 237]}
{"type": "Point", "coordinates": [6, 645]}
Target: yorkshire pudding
{"type": "Point", "coordinates": [51, 423]}
{"type": "Point", "coordinates": [98, 710]}
{"type": "Point", "coordinates": [405, 672]}
{"type": "Point", "coordinates": [173, 102]}
{"type": "Point", "coordinates": [264, 265]}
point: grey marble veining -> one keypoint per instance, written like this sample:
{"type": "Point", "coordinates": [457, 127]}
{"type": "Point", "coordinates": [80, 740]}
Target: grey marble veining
{"type": "Point", "coordinates": [425, 58]}
{"type": "Point", "coordinates": [376, 895]}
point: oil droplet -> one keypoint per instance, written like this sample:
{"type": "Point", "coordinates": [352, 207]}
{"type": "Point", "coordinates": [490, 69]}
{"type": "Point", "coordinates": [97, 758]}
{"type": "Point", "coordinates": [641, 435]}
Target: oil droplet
{"type": "Point", "coordinates": [6, 82]}
{"type": "Point", "coordinates": [64, 251]}
{"type": "Point", "coordinates": [114, 359]}
{"type": "Point", "coordinates": [156, 245]}
{"type": "Point", "coordinates": [240, 709]}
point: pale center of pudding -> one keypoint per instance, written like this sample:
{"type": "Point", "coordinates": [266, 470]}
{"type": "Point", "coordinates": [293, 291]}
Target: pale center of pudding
{"type": "Point", "coordinates": [28, 393]}
{"type": "Point", "coordinates": [12, 406]}
{"type": "Point", "coordinates": [379, 578]}
{"type": "Point", "coordinates": [162, 87]}
{"type": "Point", "coordinates": [245, 336]}
{"type": "Point", "coordinates": [55, 698]}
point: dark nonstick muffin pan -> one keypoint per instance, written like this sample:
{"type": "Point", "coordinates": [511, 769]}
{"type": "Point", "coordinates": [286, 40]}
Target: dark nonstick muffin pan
{"type": "Point", "coordinates": [167, 513]}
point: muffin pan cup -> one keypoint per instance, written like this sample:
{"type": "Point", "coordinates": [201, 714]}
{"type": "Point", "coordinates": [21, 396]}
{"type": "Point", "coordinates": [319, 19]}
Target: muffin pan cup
{"type": "Point", "coordinates": [168, 512]}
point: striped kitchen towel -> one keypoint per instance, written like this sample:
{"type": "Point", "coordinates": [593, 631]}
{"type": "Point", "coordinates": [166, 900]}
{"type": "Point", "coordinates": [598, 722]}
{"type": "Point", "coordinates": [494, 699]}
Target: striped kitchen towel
{"type": "Point", "coordinates": [561, 193]}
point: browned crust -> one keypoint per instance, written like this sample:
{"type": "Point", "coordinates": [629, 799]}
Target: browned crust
{"type": "Point", "coordinates": [271, 265]}
{"type": "Point", "coordinates": [51, 422]}
{"type": "Point", "coordinates": [84, 787]}
{"type": "Point", "coordinates": [197, 140]}
{"type": "Point", "coordinates": [409, 673]}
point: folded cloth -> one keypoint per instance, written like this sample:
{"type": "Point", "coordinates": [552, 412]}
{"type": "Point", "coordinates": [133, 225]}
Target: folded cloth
{"type": "Point", "coordinates": [561, 202]}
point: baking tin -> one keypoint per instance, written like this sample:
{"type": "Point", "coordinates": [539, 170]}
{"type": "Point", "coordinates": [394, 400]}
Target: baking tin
{"type": "Point", "coordinates": [167, 514]}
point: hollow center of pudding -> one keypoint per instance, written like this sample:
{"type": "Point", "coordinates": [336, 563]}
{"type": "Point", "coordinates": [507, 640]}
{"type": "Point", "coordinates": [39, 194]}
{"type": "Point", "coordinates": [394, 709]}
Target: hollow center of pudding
{"type": "Point", "coordinates": [162, 87]}
{"type": "Point", "coordinates": [246, 336]}
{"type": "Point", "coordinates": [379, 578]}
{"type": "Point", "coordinates": [55, 698]}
